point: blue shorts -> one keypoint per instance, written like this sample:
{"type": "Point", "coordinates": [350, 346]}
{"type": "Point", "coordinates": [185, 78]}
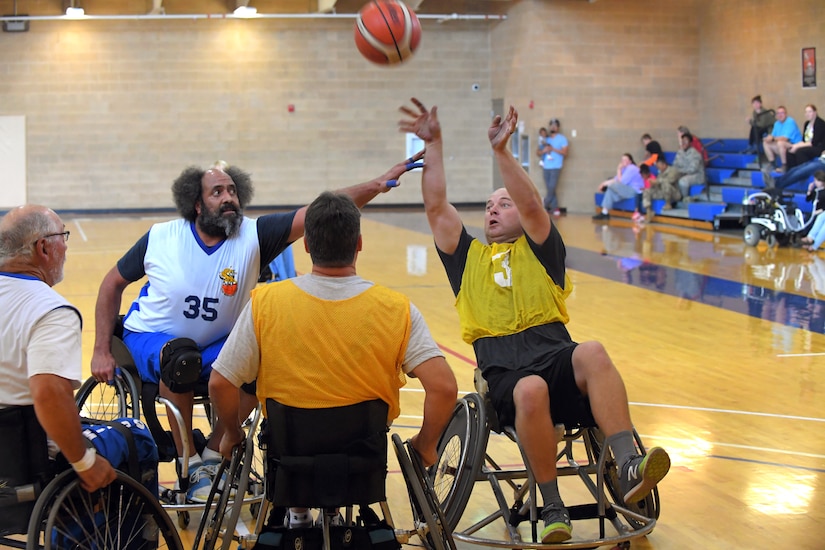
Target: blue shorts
{"type": "Point", "coordinates": [145, 349]}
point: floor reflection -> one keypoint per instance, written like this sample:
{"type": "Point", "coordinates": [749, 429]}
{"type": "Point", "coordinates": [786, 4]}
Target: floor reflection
{"type": "Point", "coordinates": [782, 286]}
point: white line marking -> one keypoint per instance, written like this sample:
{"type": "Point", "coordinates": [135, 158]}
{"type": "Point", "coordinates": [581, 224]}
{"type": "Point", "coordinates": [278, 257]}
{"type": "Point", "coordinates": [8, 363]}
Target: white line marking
{"type": "Point", "coordinates": [689, 408]}
{"type": "Point", "coordinates": [800, 354]}
{"type": "Point", "coordinates": [80, 230]}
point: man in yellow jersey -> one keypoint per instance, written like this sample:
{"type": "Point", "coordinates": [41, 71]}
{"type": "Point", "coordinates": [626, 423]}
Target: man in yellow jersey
{"type": "Point", "coordinates": [331, 338]}
{"type": "Point", "coordinates": [511, 303]}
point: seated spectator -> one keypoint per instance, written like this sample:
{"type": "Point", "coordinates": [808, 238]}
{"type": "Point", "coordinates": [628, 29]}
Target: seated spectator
{"type": "Point", "coordinates": [761, 121]}
{"type": "Point", "coordinates": [648, 178]}
{"type": "Point", "coordinates": [625, 185]}
{"type": "Point", "coordinates": [652, 150]}
{"type": "Point", "coordinates": [816, 195]}
{"type": "Point", "coordinates": [813, 139]}
{"type": "Point", "coordinates": [688, 161]}
{"type": "Point", "coordinates": [785, 133]}
{"type": "Point", "coordinates": [798, 174]}
{"type": "Point", "coordinates": [665, 186]}
{"type": "Point", "coordinates": [695, 142]}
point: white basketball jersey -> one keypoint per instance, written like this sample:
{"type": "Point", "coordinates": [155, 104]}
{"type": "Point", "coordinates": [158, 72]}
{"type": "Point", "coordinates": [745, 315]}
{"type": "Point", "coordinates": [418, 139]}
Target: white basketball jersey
{"type": "Point", "coordinates": [195, 291]}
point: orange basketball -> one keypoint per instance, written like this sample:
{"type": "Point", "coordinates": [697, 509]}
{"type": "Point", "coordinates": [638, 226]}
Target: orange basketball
{"type": "Point", "coordinates": [387, 32]}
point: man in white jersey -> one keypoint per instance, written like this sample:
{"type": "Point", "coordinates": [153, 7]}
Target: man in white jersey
{"type": "Point", "coordinates": [330, 338]}
{"type": "Point", "coordinates": [40, 349]}
{"type": "Point", "coordinates": [200, 270]}
{"type": "Point", "coordinates": [510, 296]}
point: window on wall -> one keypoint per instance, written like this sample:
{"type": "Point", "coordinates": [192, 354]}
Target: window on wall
{"type": "Point", "coordinates": [520, 145]}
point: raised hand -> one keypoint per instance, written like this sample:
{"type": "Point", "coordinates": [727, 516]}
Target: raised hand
{"type": "Point", "coordinates": [420, 121]}
{"type": "Point", "coordinates": [501, 129]}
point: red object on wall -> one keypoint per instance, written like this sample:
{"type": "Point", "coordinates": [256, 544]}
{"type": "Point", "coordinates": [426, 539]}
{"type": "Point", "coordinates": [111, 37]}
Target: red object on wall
{"type": "Point", "coordinates": [531, 103]}
{"type": "Point", "coordinates": [290, 108]}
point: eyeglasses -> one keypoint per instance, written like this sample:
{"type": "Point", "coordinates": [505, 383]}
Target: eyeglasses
{"type": "Point", "coordinates": [64, 234]}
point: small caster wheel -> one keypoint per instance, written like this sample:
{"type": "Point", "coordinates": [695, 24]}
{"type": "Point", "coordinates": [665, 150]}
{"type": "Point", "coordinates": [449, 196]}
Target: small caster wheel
{"type": "Point", "coordinates": [183, 519]}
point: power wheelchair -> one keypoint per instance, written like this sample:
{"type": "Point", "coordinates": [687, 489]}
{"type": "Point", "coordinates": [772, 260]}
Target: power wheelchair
{"type": "Point", "coordinates": [42, 504]}
{"type": "Point", "coordinates": [464, 460]}
{"type": "Point", "coordinates": [128, 395]}
{"type": "Point", "coordinates": [326, 459]}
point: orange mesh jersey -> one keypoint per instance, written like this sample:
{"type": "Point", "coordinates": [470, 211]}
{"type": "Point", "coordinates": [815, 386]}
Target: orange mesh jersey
{"type": "Point", "coordinates": [346, 351]}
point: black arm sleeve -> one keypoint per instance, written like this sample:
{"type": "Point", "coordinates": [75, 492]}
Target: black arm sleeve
{"type": "Point", "coordinates": [552, 254]}
{"type": "Point", "coordinates": [130, 265]}
{"type": "Point", "coordinates": [273, 235]}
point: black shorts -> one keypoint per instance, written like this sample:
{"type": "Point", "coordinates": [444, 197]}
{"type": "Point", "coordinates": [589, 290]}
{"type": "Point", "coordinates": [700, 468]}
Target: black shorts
{"type": "Point", "coordinates": [567, 404]}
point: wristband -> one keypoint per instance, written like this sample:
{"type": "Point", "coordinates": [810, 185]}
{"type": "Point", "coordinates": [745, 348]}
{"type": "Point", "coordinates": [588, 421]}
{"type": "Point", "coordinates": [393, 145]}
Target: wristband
{"type": "Point", "coordinates": [86, 462]}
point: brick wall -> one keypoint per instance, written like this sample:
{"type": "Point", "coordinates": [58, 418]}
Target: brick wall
{"type": "Point", "coordinates": [115, 109]}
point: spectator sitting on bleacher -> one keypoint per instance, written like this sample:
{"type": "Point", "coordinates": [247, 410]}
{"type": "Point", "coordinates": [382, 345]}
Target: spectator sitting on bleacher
{"type": "Point", "coordinates": [816, 195]}
{"type": "Point", "coordinates": [665, 186]}
{"type": "Point", "coordinates": [785, 133]}
{"type": "Point", "coordinates": [653, 150]}
{"type": "Point", "coordinates": [798, 174]}
{"type": "Point", "coordinates": [761, 122]}
{"type": "Point", "coordinates": [689, 162]}
{"type": "Point", "coordinates": [695, 142]}
{"type": "Point", "coordinates": [813, 139]}
{"type": "Point", "coordinates": [625, 185]}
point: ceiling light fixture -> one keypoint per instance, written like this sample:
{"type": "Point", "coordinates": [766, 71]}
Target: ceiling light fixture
{"type": "Point", "coordinates": [245, 12]}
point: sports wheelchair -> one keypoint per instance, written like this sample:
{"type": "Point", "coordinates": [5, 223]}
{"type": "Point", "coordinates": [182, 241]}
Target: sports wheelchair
{"type": "Point", "coordinates": [327, 459]}
{"type": "Point", "coordinates": [127, 395]}
{"type": "Point", "coordinates": [42, 500]}
{"type": "Point", "coordinates": [463, 460]}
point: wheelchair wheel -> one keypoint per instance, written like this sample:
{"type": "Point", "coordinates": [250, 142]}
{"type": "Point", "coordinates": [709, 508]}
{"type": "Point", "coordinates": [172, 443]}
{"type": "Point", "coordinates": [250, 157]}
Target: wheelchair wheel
{"type": "Point", "coordinates": [109, 401]}
{"type": "Point", "coordinates": [242, 479]}
{"type": "Point", "coordinates": [123, 515]}
{"type": "Point", "coordinates": [460, 456]}
{"type": "Point", "coordinates": [649, 506]}
{"type": "Point", "coordinates": [431, 524]}
{"type": "Point", "coordinates": [752, 234]}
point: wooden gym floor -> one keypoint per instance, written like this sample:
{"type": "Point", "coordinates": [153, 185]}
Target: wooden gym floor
{"type": "Point", "coordinates": [721, 346]}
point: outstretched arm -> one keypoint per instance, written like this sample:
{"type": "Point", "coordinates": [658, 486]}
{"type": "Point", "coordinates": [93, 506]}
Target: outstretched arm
{"type": "Point", "coordinates": [533, 217]}
{"type": "Point", "coordinates": [361, 193]}
{"type": "Point", "coordinates": [445, 223]}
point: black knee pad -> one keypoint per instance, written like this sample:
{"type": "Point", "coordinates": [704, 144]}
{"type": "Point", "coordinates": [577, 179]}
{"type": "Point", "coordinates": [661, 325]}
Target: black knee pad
{"type": "Point", "coordinates": [180, 364]}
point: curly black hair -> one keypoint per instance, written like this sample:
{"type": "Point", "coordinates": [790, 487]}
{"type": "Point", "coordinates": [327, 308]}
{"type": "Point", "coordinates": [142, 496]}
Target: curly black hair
{"type": "Point", "coordinates": [187, 189]}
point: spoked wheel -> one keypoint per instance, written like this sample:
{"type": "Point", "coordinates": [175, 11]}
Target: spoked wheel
{"type": "Point", "coordinates": [460, 455]}
{"type": "Point", "coordinates": [123, 515]}
{"type": "Point", "coordinates": [99, 401]}
{"type": "Point", "coordinates": [430, 521]}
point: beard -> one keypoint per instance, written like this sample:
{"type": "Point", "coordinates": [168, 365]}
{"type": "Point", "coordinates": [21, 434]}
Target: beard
{"type": "Point", "coordinates": [215, 224]}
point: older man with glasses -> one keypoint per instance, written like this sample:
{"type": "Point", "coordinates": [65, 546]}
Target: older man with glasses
{"type": "Point", "coordinates": [40, 337]}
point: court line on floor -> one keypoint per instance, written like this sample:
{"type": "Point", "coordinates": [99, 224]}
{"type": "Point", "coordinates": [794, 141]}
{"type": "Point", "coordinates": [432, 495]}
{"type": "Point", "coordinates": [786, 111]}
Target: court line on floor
{"type": "Point", "coordinates": [689, 408]}
{"type": "Point", "coordinates": [80, 230]}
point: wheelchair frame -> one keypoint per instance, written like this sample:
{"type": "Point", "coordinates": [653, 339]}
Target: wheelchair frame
{"type": "Point", "coordinates": [464, 460]}
{"type": "Point", "coordinates": [124, 397]}
{"type": "Point", "coordinates": [430, 525]}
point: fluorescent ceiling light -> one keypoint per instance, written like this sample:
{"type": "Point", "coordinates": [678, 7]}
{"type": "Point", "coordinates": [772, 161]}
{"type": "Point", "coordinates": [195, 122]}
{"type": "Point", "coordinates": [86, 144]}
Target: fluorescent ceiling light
{"type": "Point", "coordinates": [75, 13]}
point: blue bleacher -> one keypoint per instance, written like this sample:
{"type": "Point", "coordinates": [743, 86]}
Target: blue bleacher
{"type": "Point", "coordinates": [731, 160]}
{"type": "Point", "coordinates": [718, 175]}
{"type": "Point", "coordinates": [725, 145]}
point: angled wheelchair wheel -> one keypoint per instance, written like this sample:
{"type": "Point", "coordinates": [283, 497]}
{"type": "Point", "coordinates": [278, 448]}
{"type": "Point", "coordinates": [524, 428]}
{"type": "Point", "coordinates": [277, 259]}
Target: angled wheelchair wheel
{"type": "Point", "coordinates": [123, 515]}
{"type": "Point", "coordinates": [244, 478]}
{"type": "Point", "coordinates": [100, 401]}
{"type": "Point", "coordinates": [431, 525]}
{"type": "Point", "coordinates": [460, 456]}
{"type": "Point", "coordinates": [647, 507]}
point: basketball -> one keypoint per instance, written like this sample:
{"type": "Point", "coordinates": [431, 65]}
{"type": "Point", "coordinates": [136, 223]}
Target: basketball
{"type": "Point", "coordinates": [387, 32]}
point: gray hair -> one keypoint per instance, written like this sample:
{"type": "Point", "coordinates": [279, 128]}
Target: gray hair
{"type": "Point", "coordinates": [16, 239]}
